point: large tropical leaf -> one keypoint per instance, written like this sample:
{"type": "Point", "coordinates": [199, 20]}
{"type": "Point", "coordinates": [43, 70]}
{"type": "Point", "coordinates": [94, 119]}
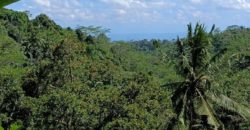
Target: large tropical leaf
{"type": "Point", "coordinates": [229, 104]}
{"type": "Point", "coordinates": [6, 2]}
{"type": "Point", "coordinates": [206, 110]}
{"type": "Point", "coordinates": [179, 99]}
{"type": "Point", "coordinates": [175, 124]}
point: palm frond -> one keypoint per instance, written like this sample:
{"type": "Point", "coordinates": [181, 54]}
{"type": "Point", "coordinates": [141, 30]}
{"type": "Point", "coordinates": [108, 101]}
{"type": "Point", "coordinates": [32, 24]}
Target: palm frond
{"type": "Point", "coordinates": [180, 46]}
{"type": "Point", "coordinates": [175, 124]}
{"type": "Point", "coordinates": [182, 115]}
{"type": "Point", "coordinates": [179, 100]}
{"type": "Point", "coordinates": [190, 34]}
{"type": "Point", "coordinates": [6, 2]}
{"type": "Point", "coordinates": [172, 86]}
{"type": "Point", "coordinates": [212, 30]}
{"type": "Point", "coordinates": [199, 50]}
{"type": "Point", "coordinates": [214, 58]}
{"type": "Point", "coordinates": [183, 67]}
{"type": "Point", "coordinates": [206, 110]}
{"type": "Point", "coordinates": [228, 104]}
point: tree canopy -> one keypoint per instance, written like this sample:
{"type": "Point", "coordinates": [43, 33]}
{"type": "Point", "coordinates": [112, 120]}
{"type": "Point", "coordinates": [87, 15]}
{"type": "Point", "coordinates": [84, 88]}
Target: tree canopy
{"type": "Point", "coordinates": [60, 78]}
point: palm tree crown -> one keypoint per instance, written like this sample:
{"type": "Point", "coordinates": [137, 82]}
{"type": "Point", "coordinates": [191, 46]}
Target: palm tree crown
{"type": "Point", "coordinates": [192, 100]}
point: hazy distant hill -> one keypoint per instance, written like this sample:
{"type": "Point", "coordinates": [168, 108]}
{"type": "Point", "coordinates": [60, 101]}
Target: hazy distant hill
{"type": "Point", "coordinates": [141, 36]}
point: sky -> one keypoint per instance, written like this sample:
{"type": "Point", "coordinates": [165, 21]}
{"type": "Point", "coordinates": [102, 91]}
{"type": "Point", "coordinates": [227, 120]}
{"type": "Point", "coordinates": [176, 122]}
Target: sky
{"type": "Point", "coordinates": [139, 19]}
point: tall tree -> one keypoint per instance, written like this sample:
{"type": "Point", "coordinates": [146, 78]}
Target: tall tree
{"type": "Point", "coordinates": [13, 66]}
{"type": "Point", "coordinates": [192, 99]}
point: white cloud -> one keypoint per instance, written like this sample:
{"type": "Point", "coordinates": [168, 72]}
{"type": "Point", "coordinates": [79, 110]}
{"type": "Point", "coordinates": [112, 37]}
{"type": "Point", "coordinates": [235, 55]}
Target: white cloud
{"type": "Point", "coordinates": [101, 12]}
{"type": "Point", "coordinates": [46, 3]}
{"type": "Point", "coordinates": [161, 4]}
{"type": "Point", "coordinates": [234, 4]}
{"type": "Point", "coordinates": [136, 11]}
{"type": "Point", "coordinates": [121, 12]}
{"type": "Point", "coordinates": [243, 4]}
{"type": "Point", "coordinates": [197, 1]}
{"type": "Point", "coordinates": [126, 3]}
{"type": "Point", "coordinates": [139, 3]}
{"type": "Point", "coordinates": [64, 10]}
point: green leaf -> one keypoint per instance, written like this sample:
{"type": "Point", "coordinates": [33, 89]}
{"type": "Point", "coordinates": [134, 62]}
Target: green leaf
{"type": "Point", "coordinates": [4, 3]}
{"type": "Point", "coordinates": [231, 105]}
{"type": "Point", "coordinates": [179, 100]}
{"type": "Point", "coordinates": [205, 109]}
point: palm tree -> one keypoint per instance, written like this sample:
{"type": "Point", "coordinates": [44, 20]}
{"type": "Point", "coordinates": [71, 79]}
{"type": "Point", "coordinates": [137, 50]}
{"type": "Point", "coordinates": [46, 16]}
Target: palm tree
{"type": "Point", "coordinates": [6, 2]}
{"type": "Point", "coordinates": [193, 103]}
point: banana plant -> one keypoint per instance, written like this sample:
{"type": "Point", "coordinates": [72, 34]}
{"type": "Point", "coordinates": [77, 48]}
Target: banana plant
{"type": "Point", "coordinates": [193, 102]}
{"type": "Point", "coordinates": [4, 3]}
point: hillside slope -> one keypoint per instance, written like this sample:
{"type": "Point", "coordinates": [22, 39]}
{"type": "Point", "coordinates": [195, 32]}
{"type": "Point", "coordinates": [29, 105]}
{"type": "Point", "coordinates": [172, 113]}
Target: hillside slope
{"type": "Point", "coordinates": [57, 78]}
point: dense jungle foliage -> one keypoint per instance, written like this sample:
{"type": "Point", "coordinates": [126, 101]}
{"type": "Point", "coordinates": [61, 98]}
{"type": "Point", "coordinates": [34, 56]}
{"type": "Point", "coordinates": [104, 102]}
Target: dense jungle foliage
{"type": "Point", "coordinates": [62, 78]}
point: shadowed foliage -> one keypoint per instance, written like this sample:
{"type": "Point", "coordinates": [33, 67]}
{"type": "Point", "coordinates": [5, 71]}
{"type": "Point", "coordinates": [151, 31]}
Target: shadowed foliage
{"type": "Point", "coordinates": [6, 2]}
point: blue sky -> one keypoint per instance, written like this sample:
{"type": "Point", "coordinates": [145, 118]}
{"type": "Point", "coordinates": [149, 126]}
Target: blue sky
{"type": "Point", "coordinates": [138, 19]}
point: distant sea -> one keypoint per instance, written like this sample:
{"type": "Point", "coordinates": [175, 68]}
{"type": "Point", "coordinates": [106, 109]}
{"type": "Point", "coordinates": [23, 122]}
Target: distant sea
{"type": "Point", "coordinates": [142, 36]}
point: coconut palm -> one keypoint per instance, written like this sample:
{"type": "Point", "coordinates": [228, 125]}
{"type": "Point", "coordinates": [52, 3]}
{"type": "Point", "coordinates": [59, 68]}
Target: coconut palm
{"type": "Point", "coordinates": [193, 103]}
{"type": "Point", "coordinates": [6, 2]}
